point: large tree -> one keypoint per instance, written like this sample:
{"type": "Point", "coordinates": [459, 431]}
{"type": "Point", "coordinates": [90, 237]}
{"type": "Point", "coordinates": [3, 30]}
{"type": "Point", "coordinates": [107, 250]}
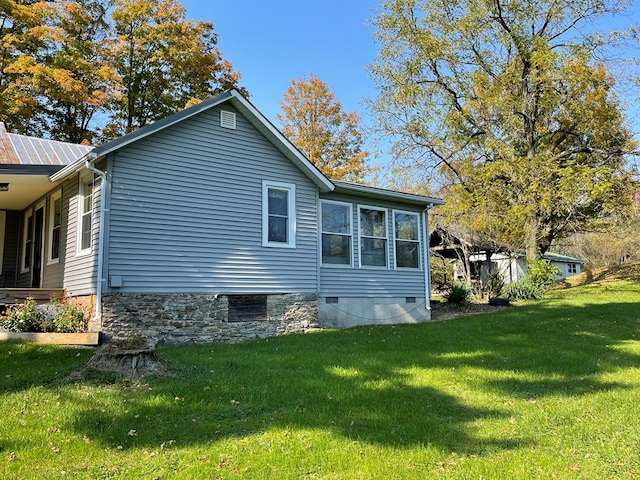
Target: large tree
{"type": "Point", "coordinates": [506, 103]}
{"type": "Point", "coordinates": [165, 61]}
{"type": "Point", "coordinates": [314, 121]}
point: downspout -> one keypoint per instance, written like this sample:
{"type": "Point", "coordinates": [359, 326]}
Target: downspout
{"type": "Point", "coordinates": [427, 258]}
{"type": "Point", "coordinates": [97, 316]}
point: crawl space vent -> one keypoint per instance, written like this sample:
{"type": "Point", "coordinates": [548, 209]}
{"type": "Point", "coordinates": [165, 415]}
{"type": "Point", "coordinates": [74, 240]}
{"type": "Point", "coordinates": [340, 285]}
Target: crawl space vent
{"type": "Point", "coordinates": [227, 119]}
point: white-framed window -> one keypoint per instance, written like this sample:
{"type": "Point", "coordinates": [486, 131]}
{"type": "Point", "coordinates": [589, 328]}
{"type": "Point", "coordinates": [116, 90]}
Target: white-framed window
{"type": "Point", "coordinates": [85, 215]}
{"type": "Point", "coordinates": [572, 268]}
{"type": "Point", "coordinates": [27, 241]}
{"type": "Point", "coordinates": [55, 222]}
{"type": "Point", "coordinates": [337, 233]}
{"type": "Point", "coordinates": [406, 234]}
{"type": "Point", "coordinates": [373, 236]}
{"type": "Point", "coordinates": [278, 214]}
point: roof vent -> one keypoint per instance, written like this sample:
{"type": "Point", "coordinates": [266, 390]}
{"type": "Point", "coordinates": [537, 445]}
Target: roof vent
{"type": "Point", "coordinates": [227, 119]}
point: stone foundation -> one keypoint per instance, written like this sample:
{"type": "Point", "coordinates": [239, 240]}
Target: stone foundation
{"type": "Point", "coordinates": [198, 318]}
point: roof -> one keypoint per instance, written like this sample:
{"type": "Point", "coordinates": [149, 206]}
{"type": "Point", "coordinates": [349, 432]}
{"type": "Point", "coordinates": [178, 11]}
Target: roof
{"type": "Point", "coordinates": [28, 151]}
{"type": "Point", "coordinates": [374, 192]}
{"type": "Point", "coordinates": [26, 164]}
{"type": "Point", "coordinates": [241, 104]}
{"type": "Point", "coordinates": [556, 257]}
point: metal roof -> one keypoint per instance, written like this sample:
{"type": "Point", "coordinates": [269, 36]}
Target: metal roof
{"type": "Point", "coordinates": [367, 191]}
{"type": "Point", "coordinates": [23, 150]}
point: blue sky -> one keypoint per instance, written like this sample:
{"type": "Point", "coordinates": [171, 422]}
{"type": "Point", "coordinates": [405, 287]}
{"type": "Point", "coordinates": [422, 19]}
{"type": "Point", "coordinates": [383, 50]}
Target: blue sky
{"type": "Point", "coordinates": [270, 43]}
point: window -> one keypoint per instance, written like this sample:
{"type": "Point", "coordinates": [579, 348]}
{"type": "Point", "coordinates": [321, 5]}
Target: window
{"type": "Point", "coordinates": [336, 233]}
{"type": "Point", "coordinates": [373, 237]}
{"type": "Point", "coordinates": [85, 213]}
{"type": "Point", "coordinates": [572, 268]}
{"type": "Point", "coordinates": [55, 220]}
{"type": "Point", "coordinates": [247, 308]}
{"type": "Point", "coordinates": [27, 241]}
{"type": "Point", "coordinates": [278, 214]}
{"type": "Point", "coordinates": [407, 239]}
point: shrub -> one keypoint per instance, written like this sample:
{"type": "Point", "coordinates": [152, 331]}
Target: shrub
{"type": "Point", "coordinates": [25, 317]}
{"type": "Point", "coordinates": [494, 285]}
{"type": "Point", "coordinates": [523, 289]}
{"type": "Point", "coordinates": [541, 274]}
{"type": "Point", "coordinates": [61, 315]}
{"type": "Point", "coordinates": [69, 317]}
{"type": "Point", "coordinates": [458, 293]}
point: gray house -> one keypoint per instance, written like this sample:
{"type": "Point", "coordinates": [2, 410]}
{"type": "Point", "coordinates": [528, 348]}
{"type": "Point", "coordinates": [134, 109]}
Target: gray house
{"type": "Point", "coordinates": [208, 225]}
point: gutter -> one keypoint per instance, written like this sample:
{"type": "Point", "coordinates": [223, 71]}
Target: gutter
{"type": "Point", "coordinates": [97, 316]}
{"type": "Point", "coordinates": [427, 259]}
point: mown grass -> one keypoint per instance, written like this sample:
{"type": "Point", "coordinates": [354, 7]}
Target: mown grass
{"type": "Point", "coordinates": [547, 389]}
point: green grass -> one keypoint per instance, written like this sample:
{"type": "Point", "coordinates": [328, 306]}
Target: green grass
{"type": "Point", "coordinates": [547, 389]}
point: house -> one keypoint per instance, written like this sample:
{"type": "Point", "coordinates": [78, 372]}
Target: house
{"type": "Point", "coordinates": [513, 267]}
{"type": "Point", "coordinates": [476, 257]}
{"type": "Point", "coordinates": [209, 225]}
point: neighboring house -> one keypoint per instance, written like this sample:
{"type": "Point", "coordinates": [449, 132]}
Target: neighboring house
{"type": "Point", "coordinates": [481, 256]}
{"type": "Point", "coordinates": [209, 225]}
{"type": "Point", "coordinates": [513, 267]}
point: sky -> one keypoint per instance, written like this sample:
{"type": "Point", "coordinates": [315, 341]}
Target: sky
{"type": "Point", "coordinates": [271, 43]}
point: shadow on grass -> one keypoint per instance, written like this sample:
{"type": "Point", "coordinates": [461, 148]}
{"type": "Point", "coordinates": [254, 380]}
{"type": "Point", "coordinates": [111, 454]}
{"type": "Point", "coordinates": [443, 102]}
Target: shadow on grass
{"type": "Point", "coordinates": [392, 385]}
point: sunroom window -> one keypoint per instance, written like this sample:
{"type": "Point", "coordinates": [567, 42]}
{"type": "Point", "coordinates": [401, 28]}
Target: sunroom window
{"type": "Point", "coordinates": [407, 239]}
{"type": "Point", "coordinates": [373, 237]}
{"type": "Point", "coordinates": [336, 233]}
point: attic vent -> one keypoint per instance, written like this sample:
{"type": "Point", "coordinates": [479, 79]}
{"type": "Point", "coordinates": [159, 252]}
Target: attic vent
{"type": "Point", "coordinates": [227, 119]}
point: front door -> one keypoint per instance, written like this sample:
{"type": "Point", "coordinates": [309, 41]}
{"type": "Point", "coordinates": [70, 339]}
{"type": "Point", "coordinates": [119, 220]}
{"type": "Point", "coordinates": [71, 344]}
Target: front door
{"type": "Point", "coordinates": [38, 242]}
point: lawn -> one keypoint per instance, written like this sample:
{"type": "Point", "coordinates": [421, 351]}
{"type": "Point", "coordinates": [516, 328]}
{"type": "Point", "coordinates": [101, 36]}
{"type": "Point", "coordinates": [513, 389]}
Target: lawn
{"type": "Point", "coordinates": [547, 389]}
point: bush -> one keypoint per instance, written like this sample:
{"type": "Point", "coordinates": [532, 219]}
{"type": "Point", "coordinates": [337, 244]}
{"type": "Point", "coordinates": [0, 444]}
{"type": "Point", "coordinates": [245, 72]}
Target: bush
{"type": "Point", "coordinates": [26, 317]}
{"type": "Point", "coordinates": [61, 316]}
{"type": "Point", "coordinates": [494, 285]}
{"type": "Point", "coordinates": [458, 293]}
{"type": "Point", "coordinates": [523, 289]}
{"type": "Point", "coordinates": [541, 274]}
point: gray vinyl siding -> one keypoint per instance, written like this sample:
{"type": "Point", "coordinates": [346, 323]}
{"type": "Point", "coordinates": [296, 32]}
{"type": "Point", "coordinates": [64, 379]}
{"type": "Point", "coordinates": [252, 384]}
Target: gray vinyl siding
{"type": "Point", "coordinates": [342, 281]}
{"type": "Point", "coordinates": [79, 270]}
{"type": "Point", "coordinates": [186, 213]}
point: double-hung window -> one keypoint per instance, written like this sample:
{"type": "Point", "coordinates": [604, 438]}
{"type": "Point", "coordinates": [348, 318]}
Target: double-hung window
{"type": "Point", "coordinates": [406, 229]}
{"type": "Point", "coordinates": [373, 237]}
{"type": "Point", "coordinates": [27, 241]}
{"type": "Point", "coordinates": [85, 214]}
{"type": "Point", "coordinates": [572, 268]}
{"type": "Point", "coordinates": [55, 221]}
{"type": "Point", "coordinates": [336, 233]}
{"type": "Point", "coordinates": [278, 214]}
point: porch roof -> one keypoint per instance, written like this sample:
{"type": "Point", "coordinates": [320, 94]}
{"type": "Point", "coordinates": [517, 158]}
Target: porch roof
{"type": "Point", "coordinates": [26, 164]}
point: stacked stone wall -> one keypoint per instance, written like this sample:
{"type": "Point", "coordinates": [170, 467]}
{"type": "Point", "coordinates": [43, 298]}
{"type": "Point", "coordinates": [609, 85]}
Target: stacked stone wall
{"type": "Point", "coordinates": [197, 318]}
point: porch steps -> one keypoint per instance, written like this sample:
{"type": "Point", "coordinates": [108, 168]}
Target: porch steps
{"type": "Point", "coordinates": [9, 296]}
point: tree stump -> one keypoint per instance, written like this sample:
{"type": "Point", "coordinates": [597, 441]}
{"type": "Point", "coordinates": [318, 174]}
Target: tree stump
{"type": "Point", "coordinates": [130, 362]}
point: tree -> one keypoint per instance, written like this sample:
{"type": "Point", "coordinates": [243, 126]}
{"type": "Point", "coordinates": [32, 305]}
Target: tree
{"type": "Point", "coordinates": [54, 68]}
{"type": "Point", "coordinates": [508, 106]}
{"type": "Point", "coordinates": [165, 62]}
{"type": "Point", "coordinates": [314, 122]}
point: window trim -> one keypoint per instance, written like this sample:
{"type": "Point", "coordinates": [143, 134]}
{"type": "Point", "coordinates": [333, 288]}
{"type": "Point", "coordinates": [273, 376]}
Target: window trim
{"type": "Point", "coordinates": [351, 263]}
{"type": "Point", "coordinates": [52, 201]}
{"type": "Point", "coordinates": [386, 238]}
{"type": "Point", "coordinates": [82, 182]}
{"type": "Point", "coordinates": [291, 206]}
{"type": "Point", "coordinates": [27, 220]}
{"type": "Point", "coordinates": [572, 268]}
{"type": "Point", "coordinates": [395, 239]}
